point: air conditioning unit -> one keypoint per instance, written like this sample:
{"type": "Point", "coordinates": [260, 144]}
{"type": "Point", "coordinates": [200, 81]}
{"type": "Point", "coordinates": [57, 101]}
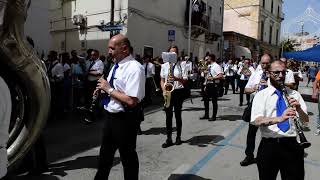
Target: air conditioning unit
{"type": "Point", "coordinates": [79, 19]}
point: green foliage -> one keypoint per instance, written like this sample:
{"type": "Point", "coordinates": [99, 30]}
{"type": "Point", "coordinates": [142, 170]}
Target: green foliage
{"type": "Point", "coordinates": [287, 45]}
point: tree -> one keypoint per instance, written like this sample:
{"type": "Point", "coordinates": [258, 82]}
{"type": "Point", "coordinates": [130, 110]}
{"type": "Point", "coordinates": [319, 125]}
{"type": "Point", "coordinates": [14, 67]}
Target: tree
{"type": "Point", "coordinates": [287, 46]}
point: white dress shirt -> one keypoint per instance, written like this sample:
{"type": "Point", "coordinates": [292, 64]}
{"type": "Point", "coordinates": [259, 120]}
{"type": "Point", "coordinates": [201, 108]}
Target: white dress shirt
{"type": "Point", "coordinates": [128, 79]}
{"type": "Point", "coordinates": [150, 69]}
{"type": "Point", "coordinates": [97, 66]}
{"type": "Point", "coordinates": [178, 71]}
{"type": "Point", "coordinates": [230, 72]}
{"type": "Point", "coordinates": [214, 70]}
{"type": "Point", "coordinates": [254, 79]}
{"type": "Point", "coordinates": [5, 113]}
{"type": "Point", "coordinates": [289, 77]}
{"type": "Point", "coordinates": [57, 71]}
{"type": "Point", "coordinates": [264, 104]}
{"type": "Point", "coordinates": [187, 65]}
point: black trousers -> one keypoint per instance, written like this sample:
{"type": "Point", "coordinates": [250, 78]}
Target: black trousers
{"type": "Point", "coordinates": [176, 103]}
{"type": "Point", "coordinates": [119, 133]}
{"type": "Point", "coordinates": [282, 154]}
{"type": "Point", "coordinates": [251, 140]}
{"type": "Point", "coordinates": [229, 80]}
{"type": "Point", "coordinates": [211, 92]}
{"type": "Point", "coordinates": [242, 85]}
{"type": "Point", "coordinates": [148, 94]}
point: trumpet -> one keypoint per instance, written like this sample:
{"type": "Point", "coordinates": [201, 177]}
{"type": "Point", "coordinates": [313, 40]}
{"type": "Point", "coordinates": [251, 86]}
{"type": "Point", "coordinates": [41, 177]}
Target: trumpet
{"type": "Point", "coordinates": [245, 70]}
{"type": "Point", "coordinates": [168, 88]}
{"type": "Point", "coordinates": [303, 140]}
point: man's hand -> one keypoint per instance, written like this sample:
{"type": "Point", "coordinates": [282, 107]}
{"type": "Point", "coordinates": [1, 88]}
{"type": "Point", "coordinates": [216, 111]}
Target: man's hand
{"type": "Point", "coordinates": [103, 85]}
{"type": "Point", "coordinates": [294, 103]}
{"type": "Point", "coordinates": [314, 96]}
{"type": "Point", "coordinates": [288, 113]}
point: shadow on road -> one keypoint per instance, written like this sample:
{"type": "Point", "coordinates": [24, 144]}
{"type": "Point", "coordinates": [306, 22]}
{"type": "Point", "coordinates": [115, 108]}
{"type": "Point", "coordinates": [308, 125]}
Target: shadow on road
{"type": "Point", "coordinates": [308, 98]}
{"type": "Point", "coordinates": [157, 131]}
{"type": "Point", "coordinates": [230, 117]}
{"type": "Point", "coordinates": [186, 177]}
{"type": "Point", "coordinates": [192, 109]}
{"type": "Point", "coordinates": [205, 140]}
{"type": "Point", "coordinates": [79, 163]}
{"type": "Point", "coordinates": [37, 177]}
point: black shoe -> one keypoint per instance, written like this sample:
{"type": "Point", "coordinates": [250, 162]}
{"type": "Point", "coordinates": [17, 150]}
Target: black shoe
{"type": "Point", "coordinates": [212, 119]}
{"type": "Point", "coordinates": [205, 117]}
{"type": "Point", "coordinates": [178, 141]}
{"type": "Point", "coordinates": [225, 93]}
{"type": "Point", "coordinates": [168, 143]}
{"type": "Point", "coordinates": [240, 104]}
{"type": "Point", "coordinates": [248, 161]}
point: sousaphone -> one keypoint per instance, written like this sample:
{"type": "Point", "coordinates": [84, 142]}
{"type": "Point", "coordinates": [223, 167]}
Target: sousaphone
{"type": "Point", "coordinates": [26, 78]}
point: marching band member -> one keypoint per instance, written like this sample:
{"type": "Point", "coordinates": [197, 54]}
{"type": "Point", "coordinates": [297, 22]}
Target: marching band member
{"type": "Point", "coordinates": [245, 72]}
{"type": "Point", "coordinates": [125, 86]}
{"type": "Point", "coordinates": [278, 149]}
{"type": "Point", "coordinates": [149, 73]}
{"type": "Point", "coordinates": [230, 71]}
{"type": "Point", "coordinates": [257, 82]}
{"type": "Point", "coordinates": [213, 77]}
{"type": "Point", "coordinates": [179, 78]}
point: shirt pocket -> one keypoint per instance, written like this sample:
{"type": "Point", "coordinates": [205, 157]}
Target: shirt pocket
{"type": "Point", "coordinates": [119, 84]}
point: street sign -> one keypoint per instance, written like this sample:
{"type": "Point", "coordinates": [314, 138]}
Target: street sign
{"type": "Point", "coordinates": [171, 35]}
{"type": "Point", "coordinates": [111, 28]}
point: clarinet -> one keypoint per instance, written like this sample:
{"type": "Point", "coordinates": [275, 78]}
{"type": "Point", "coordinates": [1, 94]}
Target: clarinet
{"type": "Point", "coordinates": [303, 140]}
{"type": "Point", "coordinates": [94, 101]}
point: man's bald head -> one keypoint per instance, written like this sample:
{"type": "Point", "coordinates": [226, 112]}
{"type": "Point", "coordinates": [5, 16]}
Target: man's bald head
{"type": "Point", "coordinates": [119, 47]}
{"type": "Point", "coordinates": [265, 61]}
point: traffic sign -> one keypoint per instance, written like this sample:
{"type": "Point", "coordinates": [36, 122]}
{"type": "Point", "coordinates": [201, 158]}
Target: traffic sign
{"type": "Point", "coordinates": [171, 35]}
{"type": "Point", "coordinates": [111, 27]}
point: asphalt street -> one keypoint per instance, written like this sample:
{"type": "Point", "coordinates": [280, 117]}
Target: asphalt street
{"type": "Point", "coordinates": [211, 150]}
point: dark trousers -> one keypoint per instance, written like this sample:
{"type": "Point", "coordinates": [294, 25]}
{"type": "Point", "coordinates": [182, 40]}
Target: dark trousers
{"type": "Point", "coordinates": [176, 103]}
{"type": "Point", "coordinates": [229, 80]}
{"type": "Point", "coordinates": [211, 93]}
{"type": "Point", "coordinates": [57, 99]}
{"type": "Point", "coordinates": [90, 88]}
{"type": "Point", "coordinates": [282, 154]}
{"type": "Point", "coordinates": [148, 94]}
{"type": "Point", "coordinates": [119, 133]}
{"type": "Point", "coordinates": [251, 140]}
{"type": "Point", "coordinates": [242, 86]}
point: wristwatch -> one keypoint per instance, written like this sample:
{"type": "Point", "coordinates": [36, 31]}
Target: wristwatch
{"type": "Point", "coordinates": [110, 91]}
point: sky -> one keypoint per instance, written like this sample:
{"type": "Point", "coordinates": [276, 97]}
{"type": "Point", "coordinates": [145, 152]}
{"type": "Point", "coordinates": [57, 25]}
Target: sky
{"type": "Point", "coordinates": [295, 8]}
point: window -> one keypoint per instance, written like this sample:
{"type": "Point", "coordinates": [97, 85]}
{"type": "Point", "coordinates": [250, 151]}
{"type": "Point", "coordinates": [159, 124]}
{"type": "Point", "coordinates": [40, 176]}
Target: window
{"type": "Point", "coordinates": [277, 37]}
{"type": "Point", "coordinates": [263, 3]}
{"type": "Point", "coordinates": [262, 30]}
{"type": "Point", "coordinates": [272, 6]}
{"type": "Point", "coordinates": [270, 35]}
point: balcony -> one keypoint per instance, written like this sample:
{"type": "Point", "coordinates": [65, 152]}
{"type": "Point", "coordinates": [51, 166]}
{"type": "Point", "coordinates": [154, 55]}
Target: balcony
{"type": "Point", "coordinates": [281, 16]}
{"type": "Point", "coordinates": [200, 24]}
{"type": "Point", "coordinates": [214, 32]}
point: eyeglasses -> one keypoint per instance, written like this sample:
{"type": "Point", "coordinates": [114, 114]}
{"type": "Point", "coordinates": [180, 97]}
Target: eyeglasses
{"type": "Point", "coordinates": [277, 73]}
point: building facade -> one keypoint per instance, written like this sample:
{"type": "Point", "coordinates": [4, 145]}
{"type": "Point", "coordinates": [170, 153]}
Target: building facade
{"type": "Point", "coordinates": [37, 26]}
{"type": "Point", "coordinates": [151, 26]}
{"type": "Point", "coordinates": [258, 19]}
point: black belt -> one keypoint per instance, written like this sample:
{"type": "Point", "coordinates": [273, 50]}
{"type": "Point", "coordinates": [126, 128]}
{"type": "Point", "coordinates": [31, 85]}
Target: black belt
{"type": "Point", "coordinates": [280, 139]}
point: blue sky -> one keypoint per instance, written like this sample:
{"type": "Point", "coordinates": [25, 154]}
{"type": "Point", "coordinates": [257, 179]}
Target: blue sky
{"type": "Point", "coordinates": [295, 8]}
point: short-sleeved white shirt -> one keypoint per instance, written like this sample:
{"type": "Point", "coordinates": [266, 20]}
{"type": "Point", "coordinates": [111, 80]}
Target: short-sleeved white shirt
{"type": "Point", "coordinates": [214, 69]}
{"type": "Point", "coordinates": [178, 71]}
{"type": "Point", "coordinates": [188, 66]}
{"type": "Point", "coordinates": [5, 113]}
{"type": "Point", "coordinates": [57, 70]}
{"type": "Point", "coordinates": [97, 66]}
{"type": "Point", "coordinates": [264, 105]}
{"type": "Point", "coordinates": [150, 69]}
{"type": "Point", "coordinates": [129, 79]}
{"type": "Point", "coordinates": [254, 79]}
{"type": "Point", "coordinates": [289, 77]}
{"type": "Point", "coordinates": [230, 69]}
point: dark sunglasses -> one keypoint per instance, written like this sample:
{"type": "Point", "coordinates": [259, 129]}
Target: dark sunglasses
{"type": "Point", "coordinates": [277, 73]}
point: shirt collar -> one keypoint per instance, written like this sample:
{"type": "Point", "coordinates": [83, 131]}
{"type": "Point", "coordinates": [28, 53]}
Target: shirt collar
{"type": "Point", "coordinates": [126, 59]}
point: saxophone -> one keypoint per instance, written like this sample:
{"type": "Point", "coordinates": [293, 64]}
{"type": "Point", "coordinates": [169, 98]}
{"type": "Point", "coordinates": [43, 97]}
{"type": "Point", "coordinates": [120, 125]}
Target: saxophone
{"type": "Point", "coordinates": [168, 87]}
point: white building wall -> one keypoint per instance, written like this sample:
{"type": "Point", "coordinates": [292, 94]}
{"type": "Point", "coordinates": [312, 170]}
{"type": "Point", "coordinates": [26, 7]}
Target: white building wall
{"type": "Point", "coordinates": [37, 25]}
{"type": "Point", "coordinates": [146, 23]}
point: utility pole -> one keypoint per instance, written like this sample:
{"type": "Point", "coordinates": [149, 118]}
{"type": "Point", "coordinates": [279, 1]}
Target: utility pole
{"type": "Point", "coordinates": [112, 17]}
{"type": "Point", "coordinates": [189, 34]}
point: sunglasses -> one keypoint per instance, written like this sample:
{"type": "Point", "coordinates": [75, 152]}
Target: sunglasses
{"type": "Point", "coordinates": [277, 73]}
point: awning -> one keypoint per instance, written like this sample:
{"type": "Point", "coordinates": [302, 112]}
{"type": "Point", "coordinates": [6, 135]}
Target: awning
{"type": "Point", "coordinates": [311, 54]}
